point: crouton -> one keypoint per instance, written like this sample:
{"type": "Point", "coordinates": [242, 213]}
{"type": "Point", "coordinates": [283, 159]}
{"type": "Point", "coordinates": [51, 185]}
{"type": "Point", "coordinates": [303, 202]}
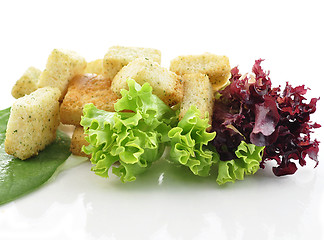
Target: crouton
{"type": "Point", "coordinates": [83, 89]}
{"type": "Point", "coordinates": [77, 141]}
{"type": "Point", "coordinates": [117, 57]}
{"type": "Point", "coordinates": [33, 122]}
{"type": "Point", "coordinates": [216, 67]}
{"type": "Point", "coordinates": [166, 84]}
{"type": "Point", "coordinates": [27, 84]}
{"type": "Point", "coordinates": [62, 66]}
{"type": "Point", "coordinates": [94, 67]}
{"type": "Point", "coordinates": [198, 91]}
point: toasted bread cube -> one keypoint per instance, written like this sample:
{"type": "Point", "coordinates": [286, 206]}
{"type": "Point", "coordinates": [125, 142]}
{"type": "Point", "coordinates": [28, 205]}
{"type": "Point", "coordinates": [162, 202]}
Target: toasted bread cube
{"type": "Point", "coordinates": [198, 91]}
{"type": "Point", "coordinates": [166, 84]}
{"type": "Point", "coordinates": [78, 141]}
{"type": "Point", "coordinates": [27, 84]}
{"type": "Point", "coordinates": [216, 67]}
{"type": "Point", "coordinates": [117, 57]}
{"type": "Point", "coordinates": [94, 67]}
{"type": "Point", "coordinates": [33, 122]}
{"type": "Point", "coordinates": [62, 66]}
{"type": "Point", "coordinates": [83, 89]}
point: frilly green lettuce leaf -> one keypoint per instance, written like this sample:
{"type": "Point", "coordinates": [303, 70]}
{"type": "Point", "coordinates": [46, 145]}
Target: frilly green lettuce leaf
{"type": "Point", "coordinates": [189, 143]}
{"type": "Point", "coordinates": [134, 136]}
{"type": "Point", "coordinates": [248, 161]}
{"type": "Point", "coordinates": [140, 99]}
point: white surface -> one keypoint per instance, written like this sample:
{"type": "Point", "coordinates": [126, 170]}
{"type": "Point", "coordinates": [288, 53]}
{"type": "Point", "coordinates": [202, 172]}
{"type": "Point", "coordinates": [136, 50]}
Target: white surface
{"type": "Point", "coordinates": [166, 203]}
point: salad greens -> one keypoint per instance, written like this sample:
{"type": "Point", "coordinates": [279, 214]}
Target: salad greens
{"type": "Point", "coordinates": [250, 109]}
{"type": "Point", "coordinates": [189, 143]}
{"type": "Point", "coordinates": [19, 177]}
{"type": "Point", "coordinates": [134, 136]}
{"type": "Point", "coordinates": [248, 161]}
{"type": "Point", "coordinates": [252, 123]}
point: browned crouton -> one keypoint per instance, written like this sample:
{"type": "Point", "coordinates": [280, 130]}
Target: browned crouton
{"type": "Point", "coordinates": [94, 67]}
{"type": "Point", "coordinates": [166, 84]}
{"type": "Point", "coordinates": [62, 65]}
{"type": "Point", "coordinates": [216, 67]}
{"type": "Point", "coordinates": [27, 84]}
{"type": "Point", "coordinates": [198, 91]}
{"type": "Point", "coordinates": [78, 141]}
{"type": "Point", "coordinates": [118, 56]}
{"type": "Point", "coordinates": [33, 121]}
{"type": "Point", "coordinates": [83, 89]}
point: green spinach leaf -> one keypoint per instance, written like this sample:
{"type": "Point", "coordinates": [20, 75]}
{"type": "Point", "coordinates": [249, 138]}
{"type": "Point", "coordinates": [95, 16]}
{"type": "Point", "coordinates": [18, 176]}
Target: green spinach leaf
{"type": "Point", "coordinates": [19, 177]}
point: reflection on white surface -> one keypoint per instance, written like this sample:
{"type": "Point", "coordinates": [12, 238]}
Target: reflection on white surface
{"type": "Point", "coordinates": [42, 221]}
{"type": "Point", "coordinates": [160, 180]}
{"type": "Point", "coordinates": [82, 205]}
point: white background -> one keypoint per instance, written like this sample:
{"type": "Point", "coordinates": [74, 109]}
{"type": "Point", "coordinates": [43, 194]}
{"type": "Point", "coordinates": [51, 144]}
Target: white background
{"type": "Point", "coordinates": [161, 204]}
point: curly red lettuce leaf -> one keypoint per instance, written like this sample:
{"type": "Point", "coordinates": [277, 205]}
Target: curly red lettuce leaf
{"type": "Point", "coordinates": [294, 131]}
{"type": "Point", "coordinates": [250, 110]}
{"type": "Point", "coordinates": [264, 132]}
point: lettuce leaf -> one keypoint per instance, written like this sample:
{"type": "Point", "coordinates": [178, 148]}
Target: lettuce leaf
{"type": "Point", "coordinates": [248, 161]}
{"type": "Point", "coordinates": [189, 143]}
{"type": "Point", "coordinates": [134, 136]}
{"type": "Point", "coordinates": [129, 140]}
{"type": "Point", "coordinates": [251, 109]}
{"type": "Point", "coordinates": [17, 177]}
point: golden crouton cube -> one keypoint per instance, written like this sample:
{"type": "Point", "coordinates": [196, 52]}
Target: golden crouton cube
{"type": "Point", "coordinates": [166, 84]}
{"type": "Point", "coordinates": [198, 91]}
{"type": "Point", "coordinates": [33, 122]}
{"type": "Point", "coordinates": [94, 67]}
{"type": "Point", "coordinates": [117, 57]}
{"type": "Point", "coordinates": [216, 67]}
{"type": "Point", "coordinates": [78, 141]}
{"type": "Point", "coordinates": [62, 66]}
{"type": "Point", "coordinates": [83, 89]}
{"type": "Point", "coordinates": [27, 84]}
